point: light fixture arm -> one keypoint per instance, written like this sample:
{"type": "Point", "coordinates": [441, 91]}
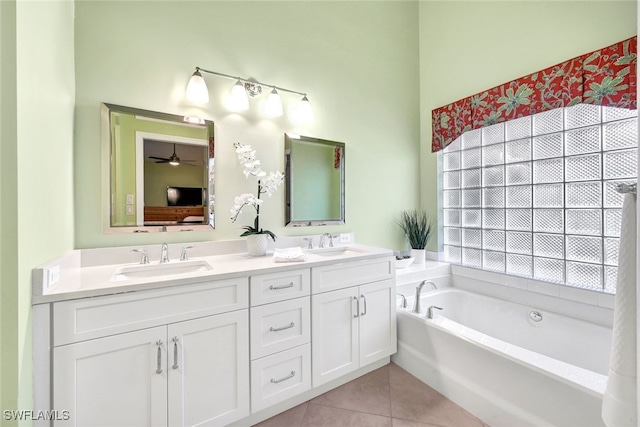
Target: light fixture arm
{"type": "Point", "coordinates": [253, 82]}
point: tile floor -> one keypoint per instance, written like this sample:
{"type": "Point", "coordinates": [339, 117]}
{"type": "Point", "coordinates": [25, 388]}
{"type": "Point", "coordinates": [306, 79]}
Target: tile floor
{"type": "Point", "coordinates": [386, 397]}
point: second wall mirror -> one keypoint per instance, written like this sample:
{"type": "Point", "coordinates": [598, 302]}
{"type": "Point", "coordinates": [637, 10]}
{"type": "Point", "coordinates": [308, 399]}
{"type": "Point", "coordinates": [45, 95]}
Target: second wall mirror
{"type": "Point", "coordinates": [314, 181]}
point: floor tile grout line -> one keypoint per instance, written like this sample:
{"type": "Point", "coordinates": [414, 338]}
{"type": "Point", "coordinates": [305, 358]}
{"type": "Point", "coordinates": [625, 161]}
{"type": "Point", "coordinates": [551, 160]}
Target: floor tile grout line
{"type": "Point", "coordinates": [304, 414]}
{"type": "Point", "coordinates": [350, 410]}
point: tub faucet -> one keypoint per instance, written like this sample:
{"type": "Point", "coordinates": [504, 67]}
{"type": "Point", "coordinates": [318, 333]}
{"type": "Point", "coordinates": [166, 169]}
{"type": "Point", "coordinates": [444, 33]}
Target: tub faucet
{"type": "Point", "coordinates": [430, 311]}
{"type": "Point", "coordinates": [164, 253]}
{"type": "Point", "coordinates": [416, 303]}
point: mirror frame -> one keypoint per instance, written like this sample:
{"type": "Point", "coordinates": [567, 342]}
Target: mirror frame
{"type": "Point", "coordinates": [288, 141]}
{"type": "Point", "coordinates": [105, 133]}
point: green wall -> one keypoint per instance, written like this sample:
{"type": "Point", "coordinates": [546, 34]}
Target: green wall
{"type": "Point", "coordinates": [467, 47]}
{"type": "Point", "coordinates": [358, 62]}
{"type": "Point", "coordinates": [36, 215]}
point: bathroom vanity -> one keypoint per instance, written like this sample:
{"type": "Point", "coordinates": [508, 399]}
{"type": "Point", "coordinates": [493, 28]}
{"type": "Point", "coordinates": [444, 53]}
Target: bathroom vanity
{"type": "Point", "coordinates": [214, 340]}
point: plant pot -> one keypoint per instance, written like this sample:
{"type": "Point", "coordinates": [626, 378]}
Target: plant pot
{"type": "Point", "coordinates": [257, 244]}
{"type": "Point", "coordinates": [419, 255]}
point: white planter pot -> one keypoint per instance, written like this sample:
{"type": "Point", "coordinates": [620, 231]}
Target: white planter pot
{"type": "Point", "coordinates": [419, 255]}
{"type": "Point", "coordinates": [257, 244]}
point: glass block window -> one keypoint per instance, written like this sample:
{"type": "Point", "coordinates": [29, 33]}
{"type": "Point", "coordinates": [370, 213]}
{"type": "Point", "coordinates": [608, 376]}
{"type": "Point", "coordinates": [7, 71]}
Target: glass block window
{"type": "Point", "coordinates": [536, 197]}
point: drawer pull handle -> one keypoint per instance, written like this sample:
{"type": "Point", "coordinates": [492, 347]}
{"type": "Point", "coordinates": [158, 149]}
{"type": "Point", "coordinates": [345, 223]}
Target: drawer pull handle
{"type": "Point", "coordinates": [275, 288]}
{"type": "Point", "coordinates": [357, 307]}
{"type": "Point", "coordinates": [364, 310]}
{"type": "Point", "coordinates": [159, 367]}
{"type": "Point", "coordinates": [175, 352]}
{"type": "Point", "coordinates": [289, 326]}
{"type": "Point", "coordinates": [291, 375]}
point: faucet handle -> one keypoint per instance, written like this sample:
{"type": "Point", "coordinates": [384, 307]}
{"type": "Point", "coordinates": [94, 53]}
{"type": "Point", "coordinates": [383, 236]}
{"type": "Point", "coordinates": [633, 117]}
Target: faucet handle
{"type": "Point", "coordinates": [145, 257]}
{"type": "Point", "coordinates": [430, 311]}
{"type": "Point", "coordinates": [310, 240]}
{"type": "Point", "coordinates": [183, 255]}
{"type": "Point", "coordinates": [404, 300]}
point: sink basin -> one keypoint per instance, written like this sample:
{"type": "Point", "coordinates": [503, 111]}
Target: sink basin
{"type": "Point", "coordinates": [145, 271]}
{"type": "Point", "coordinates": [341, 251]}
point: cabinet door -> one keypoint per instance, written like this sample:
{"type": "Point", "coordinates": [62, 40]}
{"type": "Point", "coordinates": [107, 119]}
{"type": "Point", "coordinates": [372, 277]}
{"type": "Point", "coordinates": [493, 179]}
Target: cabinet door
{"type": "Point", "coordinates": [334, 334]}
{"type": "Point", "coordinates": [209, 370]}
{"type": "Point", "coordinates": [377, 321]}
{"type": "Point", "coordinates": [113, 381]}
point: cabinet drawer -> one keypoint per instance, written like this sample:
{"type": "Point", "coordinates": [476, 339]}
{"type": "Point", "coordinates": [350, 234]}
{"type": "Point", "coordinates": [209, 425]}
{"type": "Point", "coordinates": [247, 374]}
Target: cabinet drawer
{"type": "Point", "coordinates": [280, 376]}
{"type": "Point", "coordinates": [343, 275]}
{"type": "Point", "coordinates": [280, 326]}
{"type": "Point", "coordinates": [89, 318]}
{"type": "Point", "coordinates": [273, 287]}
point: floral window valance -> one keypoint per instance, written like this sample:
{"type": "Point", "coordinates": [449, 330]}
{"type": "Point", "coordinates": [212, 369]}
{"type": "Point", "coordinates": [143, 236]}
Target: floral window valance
{"type": "Point", "coordinates": [604, 77]}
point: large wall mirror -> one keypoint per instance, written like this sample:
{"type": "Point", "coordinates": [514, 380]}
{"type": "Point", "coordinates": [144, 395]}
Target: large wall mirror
{"type": "Point", "coordinates": [314, 170]}
{"type": "Point", "coordinates": [160, 171]}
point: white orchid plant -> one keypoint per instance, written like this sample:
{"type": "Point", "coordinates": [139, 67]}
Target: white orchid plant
{"type": "Point", "coordinates": [267, 184]}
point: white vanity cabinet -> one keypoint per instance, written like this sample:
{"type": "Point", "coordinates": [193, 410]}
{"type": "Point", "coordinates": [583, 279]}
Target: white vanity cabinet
{"type": "Point", "coordinates": [179, 373]}
{"type": "Point", "coordinates": [356, 324]}
{"type": "Point", "coordinates": [215, 350]}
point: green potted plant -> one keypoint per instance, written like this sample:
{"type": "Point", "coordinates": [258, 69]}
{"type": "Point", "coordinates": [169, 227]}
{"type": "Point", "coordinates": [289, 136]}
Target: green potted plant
{"type": "Point", "coordinates": [257, 238]}
{"type": "Point", "coordinates": [416, 226]}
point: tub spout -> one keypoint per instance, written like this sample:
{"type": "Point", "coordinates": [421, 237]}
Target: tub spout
{"type": "Point", "coordinates": [430, 311]}
{"type": "Point", "coordinates": [416, 303]}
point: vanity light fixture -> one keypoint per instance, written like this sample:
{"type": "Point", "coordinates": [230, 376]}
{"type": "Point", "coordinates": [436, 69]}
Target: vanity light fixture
{"type": "Point", "coordinates": [238, 100]}
{"type": "Point", "coordinates": [197, 89]}
{"type": "Point", "coordinates": [273, 106]}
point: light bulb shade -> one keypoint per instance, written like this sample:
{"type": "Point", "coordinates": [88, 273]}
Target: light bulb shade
{"type": "Point", "coordinates": [197, 91]}
{"type": "Point", "coordinates": [305, 112]}
{"type": "Point", "coordinates": [273, 106]}
{"type": "Point", "coordinates": [238, 99]}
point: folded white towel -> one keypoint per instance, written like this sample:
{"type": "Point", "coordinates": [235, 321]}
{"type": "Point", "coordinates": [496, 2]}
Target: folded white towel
{"type": "Point", "coordinates": [288, 255]}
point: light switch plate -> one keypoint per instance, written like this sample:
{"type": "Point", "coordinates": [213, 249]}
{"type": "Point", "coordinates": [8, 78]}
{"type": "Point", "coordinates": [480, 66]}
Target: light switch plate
{"type": "Point", "coordinates": [129, 199]}
{"type": "Point", "coordinates": [129, 209]}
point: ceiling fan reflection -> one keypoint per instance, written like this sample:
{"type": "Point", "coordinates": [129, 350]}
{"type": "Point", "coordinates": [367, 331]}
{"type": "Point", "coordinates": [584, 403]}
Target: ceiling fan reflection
{"type": "Point", "coordinates": [173, 160]}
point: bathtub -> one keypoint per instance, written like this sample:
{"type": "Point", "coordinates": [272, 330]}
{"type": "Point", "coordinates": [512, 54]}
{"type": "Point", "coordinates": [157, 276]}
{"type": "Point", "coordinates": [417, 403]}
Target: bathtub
{"type": "Point", "coordinates": [507, 363]}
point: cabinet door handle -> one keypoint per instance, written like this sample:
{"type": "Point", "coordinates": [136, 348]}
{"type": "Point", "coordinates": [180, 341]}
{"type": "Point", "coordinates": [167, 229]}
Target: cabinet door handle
{"type": "Point", "coordinates": [159, 366]}
{"type": "Point", "coordinates": [357, 307]}
{"type": "Point", "coordinates": [175, 352]}
{"type": "Point", "coordinates": [275, 288]}
{"type": "Point", "coordinates": [289, 326]}
{"type": "Point", "coordinates": [291, 375]}
{"type": "Point", "coordinates": [364, 309]}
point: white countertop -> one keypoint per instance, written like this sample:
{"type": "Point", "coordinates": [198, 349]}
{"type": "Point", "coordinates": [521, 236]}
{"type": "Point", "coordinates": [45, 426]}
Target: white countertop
{"type": "Point", "coordinates": [78, 281]}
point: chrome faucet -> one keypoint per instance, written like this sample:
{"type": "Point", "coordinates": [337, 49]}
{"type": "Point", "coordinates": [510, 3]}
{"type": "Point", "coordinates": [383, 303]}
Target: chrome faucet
{"type": "Point", "coordinates": [164, 253]}
{"type": "Point", "coordinates": [322, 240]}
{"type": "Point", "coordinates": [416, 303]}
{"type": "Point", "coordinates": [430, 311]}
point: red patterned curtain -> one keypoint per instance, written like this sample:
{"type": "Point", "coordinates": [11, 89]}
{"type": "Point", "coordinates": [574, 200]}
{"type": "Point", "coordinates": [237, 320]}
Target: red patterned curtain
{"type": "Point", "coordinates": [604, 77]}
